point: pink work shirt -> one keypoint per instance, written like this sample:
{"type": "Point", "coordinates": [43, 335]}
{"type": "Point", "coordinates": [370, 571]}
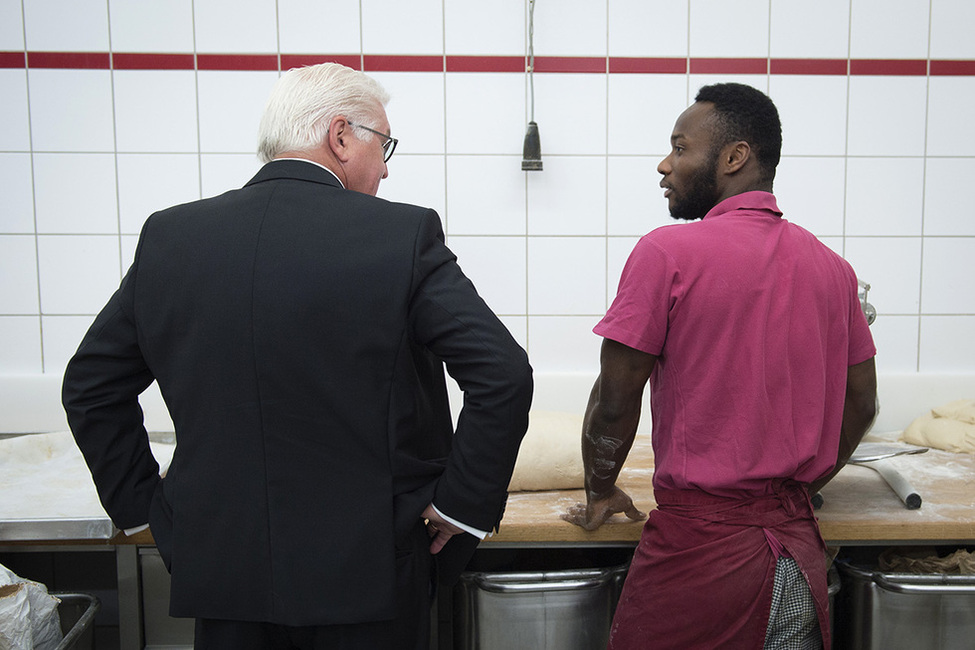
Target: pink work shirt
{"type": "Point", "coordinates": [754, 322]}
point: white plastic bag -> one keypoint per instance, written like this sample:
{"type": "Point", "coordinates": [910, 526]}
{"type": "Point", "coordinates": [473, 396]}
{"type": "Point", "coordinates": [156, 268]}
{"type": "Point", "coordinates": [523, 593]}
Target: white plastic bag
{"type": "Point", "coordinates": [29, 617]}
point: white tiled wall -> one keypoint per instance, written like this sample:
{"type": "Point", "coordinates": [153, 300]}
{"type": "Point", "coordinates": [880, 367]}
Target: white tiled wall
{"type": "Point", "coordinates": [880, 167]}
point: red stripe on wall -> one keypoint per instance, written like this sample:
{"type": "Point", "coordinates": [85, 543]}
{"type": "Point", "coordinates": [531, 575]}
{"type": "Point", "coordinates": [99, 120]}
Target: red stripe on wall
{"type": "Point", "coordinates": [808, 66]}
{"type": "Point", "coordinates": [13, 59]}
{"type": "Point", "coordinates": [486, 64]}
{"type": "Point", "coordinates": [956, 68]}
{"type": "Point", "coordinates": [141, 61]}
{"type": "Point", "coordinates": [289, 61]}
{"type": "Point", "coordinates": [618, 64]}
{"type": "Point", "coordinates": [235, 62]}
{"type": "Point", "coordinates": [894, 67]}
{"type": "Point", "coordinates": [394, 63]}
{"type": "Point", "coordinates": [69, 60]}
{"type": "Point", "coordinates": [729, 66]}
{"type": "Point", "coordinates": [570, 64]}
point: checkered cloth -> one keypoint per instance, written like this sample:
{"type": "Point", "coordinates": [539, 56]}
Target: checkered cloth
{"type": "Point", "coordinates": [792, 623]}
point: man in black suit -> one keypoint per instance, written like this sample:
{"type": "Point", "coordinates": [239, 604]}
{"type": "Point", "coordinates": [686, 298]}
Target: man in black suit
{"type": "Point", "coordinates": [298, 329]}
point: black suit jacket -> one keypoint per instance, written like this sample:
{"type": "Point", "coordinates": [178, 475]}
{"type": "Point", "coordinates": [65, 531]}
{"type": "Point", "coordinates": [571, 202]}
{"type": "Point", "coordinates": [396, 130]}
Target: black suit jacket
{"type": "Point", "coordinates": [298, 332]}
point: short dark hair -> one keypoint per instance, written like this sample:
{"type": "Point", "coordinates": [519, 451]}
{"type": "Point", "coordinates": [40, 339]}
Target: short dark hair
{"type": "Point", "coordinates": [744, 113]}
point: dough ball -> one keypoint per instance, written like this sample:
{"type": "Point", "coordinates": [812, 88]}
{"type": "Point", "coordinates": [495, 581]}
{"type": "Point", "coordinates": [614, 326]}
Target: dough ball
{"type": "Point", "coordinates": [962, 410]}
{"type": "Point", "coordinates": [940, 432]}
{"type": "Point", "coordinates": [550, 457]}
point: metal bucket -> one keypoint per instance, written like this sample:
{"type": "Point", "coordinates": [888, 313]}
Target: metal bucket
{"type": "Point", "coordinates": [77, 614]}
{"type": "Point", "coordinates": [905, 611]}
{"type": "Point", "coordinates": [546, 610]}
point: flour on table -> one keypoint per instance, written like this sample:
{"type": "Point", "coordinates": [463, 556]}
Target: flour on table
{"type": "Point", "coordinates": [550, 457]}
{"type": "Point", "coordinates": [950, 427]}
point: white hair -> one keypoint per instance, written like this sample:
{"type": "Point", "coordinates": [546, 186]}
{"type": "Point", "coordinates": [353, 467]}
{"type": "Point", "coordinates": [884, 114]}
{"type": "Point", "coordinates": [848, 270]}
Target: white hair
{"type": "Point", "coordinates": [305, 100]}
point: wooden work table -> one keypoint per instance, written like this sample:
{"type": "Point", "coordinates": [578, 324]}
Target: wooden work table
{"type": "Point", "coordinates": [859, 507]}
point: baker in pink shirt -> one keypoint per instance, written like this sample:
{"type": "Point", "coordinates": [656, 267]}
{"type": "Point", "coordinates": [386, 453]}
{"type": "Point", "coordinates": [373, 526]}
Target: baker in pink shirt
{"type": "Point", "coordinates": [761, 369]}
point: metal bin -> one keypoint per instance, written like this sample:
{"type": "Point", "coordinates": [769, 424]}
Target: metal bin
{"type": "Point", "coordinates": [546, 610]}
{"type": "Point", "coordinates": [77, 614]}
{"type": "Point", "coordinates": [895, 611]}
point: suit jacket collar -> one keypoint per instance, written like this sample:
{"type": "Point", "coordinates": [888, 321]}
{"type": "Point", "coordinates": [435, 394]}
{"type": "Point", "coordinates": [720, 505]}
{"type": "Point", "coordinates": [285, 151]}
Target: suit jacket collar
{"type": "Point", "coordinates": [301, 170]}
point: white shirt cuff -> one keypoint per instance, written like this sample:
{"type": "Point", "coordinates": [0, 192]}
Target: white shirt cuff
{"type": "Point", "coordinates": [132, 531]}
{"type": "Point", "coordinates": [480, 534]}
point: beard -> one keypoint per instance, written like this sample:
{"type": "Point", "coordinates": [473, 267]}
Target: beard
{"type": "Point", "coordinates": [700, 194]}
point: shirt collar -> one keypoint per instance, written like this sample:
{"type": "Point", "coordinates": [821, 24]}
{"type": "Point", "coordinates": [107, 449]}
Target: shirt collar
{"type": "Point", "coordinates": [755, 200]}
{"type": "Point", "coordinates": [312, 162]}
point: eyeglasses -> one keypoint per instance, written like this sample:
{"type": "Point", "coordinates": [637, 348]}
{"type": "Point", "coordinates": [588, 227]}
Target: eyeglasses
{"type": "Point", "coordinates": [389, 146]}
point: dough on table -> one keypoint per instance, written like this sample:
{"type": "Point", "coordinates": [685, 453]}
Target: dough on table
{"type": "Point", "coordinates": [950, 427]}
{"type": "Point", "coordinates": [550, 457]}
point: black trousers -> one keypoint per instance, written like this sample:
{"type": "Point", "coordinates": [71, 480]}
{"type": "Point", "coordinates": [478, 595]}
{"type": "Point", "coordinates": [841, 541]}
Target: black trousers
{"type": "Point", "coordinates": [410, 630]}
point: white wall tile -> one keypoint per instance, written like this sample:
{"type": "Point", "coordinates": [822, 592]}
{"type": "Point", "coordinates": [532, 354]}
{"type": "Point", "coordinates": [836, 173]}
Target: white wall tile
{"type": "Point", "coordinates": [951, 130]}
{"type": "Point", "coordinates": [62, 336]}
{"type": "Point", "coordinates": [11, 25]}
{"type": "Point", "coordinates": [951, 29]}
{"type": "Point", "coordinates": [415, 110]}
{"type": "Point", "coordinates": [235, 26]}
{"type": "Point", "coordinates": [889, 29]}
{"type": "Point", "coordinates": [892, 267]}
{"type": "Point", "coordinates": [152, 25]}
{"type": "Point", "coordinates": [947, 344]}
{"type": "Point", "coordinates": [618, 251]}
{"type": "Point", "coordinates": [402, 27]}
{"type": "Point", "coordinates": [87, 126]}
{"type": "Point", "coordinates": [566, 275]}
{"type": "Point", "coordinates": [66, 25]}
{"type": "Point", "coordinates": [887, 116]}
{"type": "Point", "coordinates": [635, 203]}
{"type": "Point", "coordinates": [486, 113]}
{"type": "Point", "coordinates": [698, 81]}
{"type": "Point", "coordinates": [220, 173]}
{"type": "Point", "coordinates": [948, 207]}
{"type": "Point", "coordinates": [897, 343]}
{"type": "Point", "coordinates": [75, 193]}
{"type": "Point", "coordinates": [21, 349]}
{"type": "Point", "coordinates": [15, 136]}
{"type": "Point", "coordinates": [79, 273]}
{"type": "Point", "coordinates": [155, 110]}
{"type": "Point", "coordinates": [570, 110]}
{"type": "Point", "coordinates": [642, 111]}
{"type": "Point", "coordinates": [570, 28]}
{"type": "Point", "coordinates": [838, 246]}
{"type": "Point", "coordinates": [564, 344]}
{"type": "Point", "coordinates": [568, 197]}
{"type": "Point", "coordinates": [518, 326]}
{"type": "Point", "coordinates": [949, 266]}
{"type": "Point", "coordinates": [884, 196]}
{"type": "Point", "coordinates": [813, 113]}
{"type": "Point", "coordinates": [497, 267]}
{"type": "Point", "coordinates": [316, 27]}
{"type": "Point", "coordinates": [129, 244]}
{"type": "Point", "coordinates": [713, 22]}
{"type": "Point", "coordinates": [416, 179]}
{"type": "Point", "coordinates": [18, 268]}
{"type": "Point", "coordinates": [810, 193]}
{"type": "Point", "coordinates": [231, 104]}
{"type": "Point", "coordinates": [151, 182]}
{"type": "Point", "coordinates": [486, 195]}
{"type": "Point", "coordinates": [17, 198]}
{"type": "Point", "coordinates": [638, 28]}
{"type": "Point", "coordinates": [816, 30]}
{"type": "Point", "coordinates": [498, 28]}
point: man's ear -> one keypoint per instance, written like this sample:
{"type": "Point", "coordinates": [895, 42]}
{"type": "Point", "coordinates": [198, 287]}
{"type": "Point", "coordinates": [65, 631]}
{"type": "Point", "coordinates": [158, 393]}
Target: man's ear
{"type": "Point", "coordinates": [734, 156]}
{"type": "Point", "coordinates": [337, 138]}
